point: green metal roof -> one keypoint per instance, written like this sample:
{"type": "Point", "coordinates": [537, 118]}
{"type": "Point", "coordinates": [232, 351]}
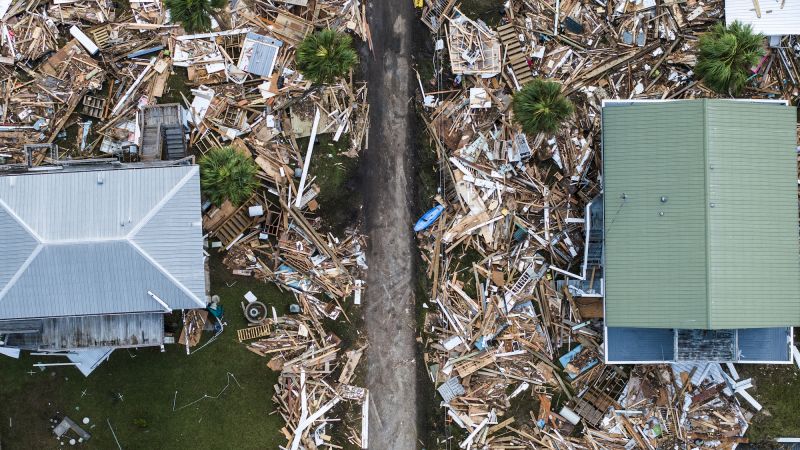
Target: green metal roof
{"type": "Point", "coordinates": [701, 215]}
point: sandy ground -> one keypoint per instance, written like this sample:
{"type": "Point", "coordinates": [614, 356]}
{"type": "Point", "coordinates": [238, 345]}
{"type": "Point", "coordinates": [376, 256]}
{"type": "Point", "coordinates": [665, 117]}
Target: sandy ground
{"type": "Point", "coordinates": [387, 184]}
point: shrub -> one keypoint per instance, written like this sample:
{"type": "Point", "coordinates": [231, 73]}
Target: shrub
{"type": "Point", "coordinates": [193, 15]}
{"type": "Point", "coordinates": [226, 173]}
{"type": "Point", "coordinates": [325, 56]}
{"type": "Point", "coordinates": [726, 56]}
{"type": "Point", "coordinates": [540, 107]}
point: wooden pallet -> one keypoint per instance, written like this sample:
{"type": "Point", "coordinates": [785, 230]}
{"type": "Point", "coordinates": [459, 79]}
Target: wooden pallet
{"type": "Point", "coordinates": [101, 36]}
{"type": "Point", "coordinates": [94, 106]}
{"type": "Point", "coordinates": [516, 59]}
{"type": "Point", "coordinates": [246, 334]}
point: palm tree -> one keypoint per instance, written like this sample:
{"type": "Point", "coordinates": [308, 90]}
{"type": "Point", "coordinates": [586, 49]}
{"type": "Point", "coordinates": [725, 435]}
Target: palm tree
{"type": "Point", "coordinates": [540, 107]}
{"type": "Point", "coordinates": [227, 173]}
{"type": "Point", "coordinates": [325, 56]}
{"type": "Point", "coordinates": [194, 15]}
{"type": "Point", "coordinates": [726, 56]}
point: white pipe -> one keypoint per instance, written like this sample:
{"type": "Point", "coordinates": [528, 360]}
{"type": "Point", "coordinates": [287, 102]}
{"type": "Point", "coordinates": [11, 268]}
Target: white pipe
{"type": "Point", "coordinates": [56, 364]}
{"type": "Point", "coordinates": [569, 415]}
{"type": "Point", "coordinates": [307, 162]}
{"type": "Point", "coordinates": [133, 87]}
{"type": "Point", "coordinates": [558, 14]}
{"type": "Point", "coordinates": [365, 422]}
{"type": "Point", "coordinates": [160, 302]}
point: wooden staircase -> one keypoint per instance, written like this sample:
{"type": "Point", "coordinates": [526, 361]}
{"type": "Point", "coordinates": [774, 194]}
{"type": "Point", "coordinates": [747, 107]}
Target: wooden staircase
{"type": "Point", "coordinates": [516, 58]}
{"type": "Point", "coordinates": [236, 225]}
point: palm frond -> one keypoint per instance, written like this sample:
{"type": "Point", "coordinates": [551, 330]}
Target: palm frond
{"type": "Point", "coordinates": [193, 15]}
{"type": "Point", "coordinates": [540, 107]}
{"type": "Point", "coordinates": [227, 173]}
{"type": "Point", "coordinates": [726, 56]}
{"type": "Point", "coordinates": [325, 56]}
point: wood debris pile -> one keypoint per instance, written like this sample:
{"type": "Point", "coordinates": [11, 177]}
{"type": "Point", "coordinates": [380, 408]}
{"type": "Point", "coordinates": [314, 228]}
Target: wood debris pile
{"type": "Point", "coordinates": [84, 81]}
{"type": "Point", "coordinates": [513, 334]}
{"type": "Point", "coordinates": [314, 378]}
{"type": "Point", "coordinates": [113, 67]}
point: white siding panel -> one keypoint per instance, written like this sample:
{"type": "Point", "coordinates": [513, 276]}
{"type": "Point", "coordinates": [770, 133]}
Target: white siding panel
{"type": "Point", "coordinates": [774, 20]}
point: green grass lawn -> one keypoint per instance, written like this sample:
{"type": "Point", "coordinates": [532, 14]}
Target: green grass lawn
{"type": "Point", "coordinates": [241, 418]}
{"type": "Point", "coordinates": [777, 388]}
{"type": "Point", "coordinates": [339, 198]}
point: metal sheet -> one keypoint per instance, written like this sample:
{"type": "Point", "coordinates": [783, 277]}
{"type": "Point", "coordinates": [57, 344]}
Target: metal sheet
{"type": "Point", "coordinates": [96, 242]}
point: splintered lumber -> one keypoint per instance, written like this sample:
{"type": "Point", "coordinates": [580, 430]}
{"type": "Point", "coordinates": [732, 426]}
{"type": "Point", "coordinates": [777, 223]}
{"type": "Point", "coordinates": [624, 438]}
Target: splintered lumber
{"type": "Point", "coordinates": [515, 254]}
{"type": "Point", "coordinates": [472, 365]}
{"type": "Point", "coordinates": [350, 366]}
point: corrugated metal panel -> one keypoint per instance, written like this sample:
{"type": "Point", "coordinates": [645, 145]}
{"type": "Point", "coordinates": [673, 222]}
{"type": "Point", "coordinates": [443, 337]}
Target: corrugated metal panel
{"type": "Point", "coordinates": [710, 371]}
{"type": "Point", "coordinates": [75, 206]}
{"type": "Point", "coordinates": [731, 265]}
{"type": "Point", "coordinates": [654, 265]}
{"type": "Point", "coordinates": [87, 264]}
{"type": "Point", "coordinates": [641, 344]}
{"type": "Point", "coordinates": [84, 279]}
{"type": "Point", "coordinates": [651, 345]}
{"type": "Point", "coordinates": [125, 330]}
{"type": "Point", "coordinates": [259, 54]}
{"type": "Point", "coordinates": [17, 246]}
{"type": "Point", "coordinates": [21, 326]}
{"type": "Point", "coordinates": [764, 344]}
{"type": "Point", "coordinates": [174, 237]}
{"type": "Point", "coordinates": [778, 17]}
{"type": "Point", "coordinates": [754, 267]}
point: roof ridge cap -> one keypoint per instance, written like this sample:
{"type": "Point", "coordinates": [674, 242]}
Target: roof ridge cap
{"type": "Point", "coordinates": [707, 214]}
{"type": "Point", "coordinates": [161, 203]}
{"type": "Point", "coordinates": [39, 239]}
{"type": "Point", "coordinates": [166, 273]}
{"type": "Point", "coordinates": [21, 270]}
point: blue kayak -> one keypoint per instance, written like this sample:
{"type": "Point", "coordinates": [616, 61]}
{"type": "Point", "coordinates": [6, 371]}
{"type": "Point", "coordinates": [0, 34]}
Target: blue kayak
{"type": "Point", "coordinates": [428, 218]}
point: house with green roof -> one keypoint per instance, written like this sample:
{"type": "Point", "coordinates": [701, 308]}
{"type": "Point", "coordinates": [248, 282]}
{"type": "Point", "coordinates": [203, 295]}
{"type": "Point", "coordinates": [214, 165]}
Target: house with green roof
{"type": "Point", "coordinates": [701, 257]}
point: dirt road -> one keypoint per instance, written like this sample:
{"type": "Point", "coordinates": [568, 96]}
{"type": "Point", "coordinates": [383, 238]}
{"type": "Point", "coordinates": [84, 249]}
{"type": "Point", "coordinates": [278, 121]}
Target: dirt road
{"type": "Point", "coordinates": [387, 182]}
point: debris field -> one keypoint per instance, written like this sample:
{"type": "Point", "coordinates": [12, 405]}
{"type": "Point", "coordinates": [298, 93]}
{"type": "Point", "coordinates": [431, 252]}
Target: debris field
{"type": "Point", "coordinates": [513, 325]}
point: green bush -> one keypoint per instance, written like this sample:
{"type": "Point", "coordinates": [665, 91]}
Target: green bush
{"type": "Point", "coordinates": [194, 15]}
{"type": "Point", "coordinates": [726, 56]}
{"type": "Point", "coordinates": [540, 107]}
{"type": "Point", "coordinates": [226, 173]}
{"type": "Point", "coordinates": [325, 56]}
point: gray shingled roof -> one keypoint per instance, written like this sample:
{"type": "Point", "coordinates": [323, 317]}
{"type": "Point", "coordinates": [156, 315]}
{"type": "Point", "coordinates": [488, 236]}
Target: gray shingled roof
{"type": "Point", "coordinates": [100, 242]}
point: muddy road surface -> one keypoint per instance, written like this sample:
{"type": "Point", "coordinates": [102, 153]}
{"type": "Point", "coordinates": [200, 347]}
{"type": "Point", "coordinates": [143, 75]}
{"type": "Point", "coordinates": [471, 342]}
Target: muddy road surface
{"type": "Point", "coordinates": [387, 184]}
